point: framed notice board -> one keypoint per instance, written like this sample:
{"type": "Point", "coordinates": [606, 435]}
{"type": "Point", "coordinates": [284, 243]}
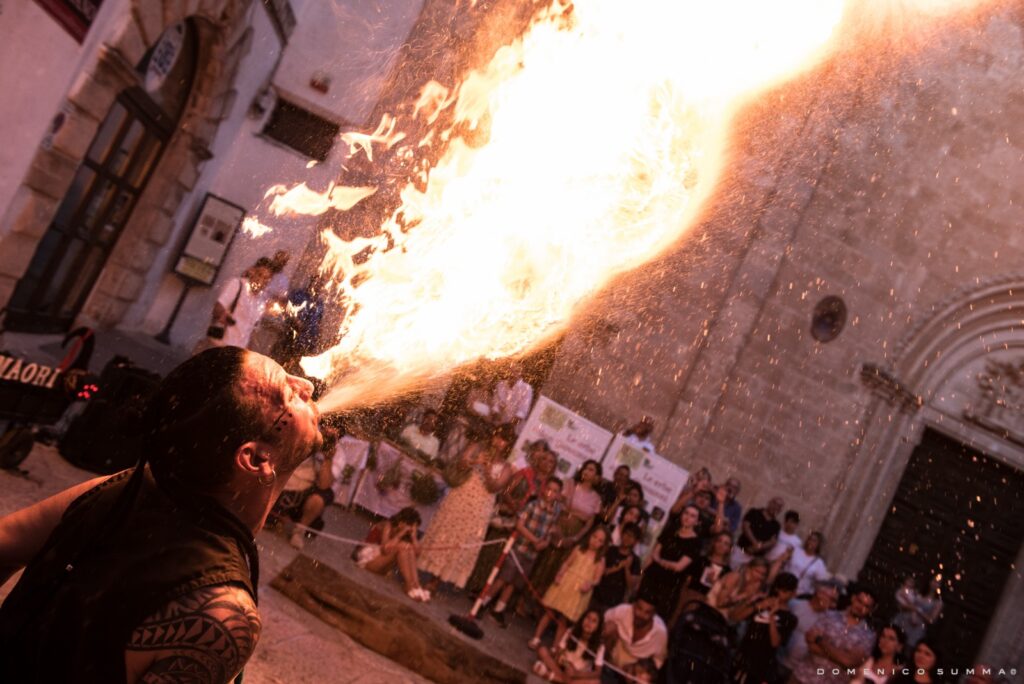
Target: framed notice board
{"type": "Point", "coordinates": [208, 243]}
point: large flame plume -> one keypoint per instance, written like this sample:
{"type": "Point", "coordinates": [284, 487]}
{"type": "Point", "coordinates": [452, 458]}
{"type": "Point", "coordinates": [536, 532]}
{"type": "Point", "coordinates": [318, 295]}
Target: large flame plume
{"type": "Point", "coordinates": [605, 126]}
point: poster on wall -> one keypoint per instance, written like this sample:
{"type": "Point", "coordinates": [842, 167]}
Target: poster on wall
{"type": "Point", "coordinates": [208, 243]}
{"type": "Point", "coordinates": [75, 16]}
{"type": "Point", "coordinates": [574, 438]}
{"type": "Point", "coordinates": [661, 479]}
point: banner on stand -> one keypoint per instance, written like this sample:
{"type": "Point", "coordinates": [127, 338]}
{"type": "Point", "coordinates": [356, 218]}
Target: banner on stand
{"type": "Point", "coordinates": [661, 479]}
{"type": "Point", "coordinates": [574, 438]}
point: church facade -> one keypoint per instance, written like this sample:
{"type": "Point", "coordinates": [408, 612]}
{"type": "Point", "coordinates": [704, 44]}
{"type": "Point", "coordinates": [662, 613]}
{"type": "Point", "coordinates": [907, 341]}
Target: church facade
{"type": "Point", "coordinates": [845, 329]}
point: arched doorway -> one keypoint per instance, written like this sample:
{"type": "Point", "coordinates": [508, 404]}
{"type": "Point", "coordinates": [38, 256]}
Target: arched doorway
{"type": "Point", "coordinates": [940, 466]}
{"type": "Point", "coordinates": [106, 187]}
{"type": "Point", "coordinates": [957, 517]}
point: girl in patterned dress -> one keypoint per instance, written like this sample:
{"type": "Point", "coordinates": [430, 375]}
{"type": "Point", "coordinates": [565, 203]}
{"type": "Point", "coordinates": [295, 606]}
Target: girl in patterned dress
{"type": "Point", "coordinates": [581, 506]}
{"type": "Point", "coordinates": [569, 595]}
{"type": "Point", "coordinates": [451, 543]}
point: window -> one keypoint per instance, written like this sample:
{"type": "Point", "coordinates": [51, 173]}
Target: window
{"type": "Point", "coordinates": [828, 319]}
{"type": "Point", "coordinates": [73, 252]}
{"type": "Point", "coordinates": [301, 130]}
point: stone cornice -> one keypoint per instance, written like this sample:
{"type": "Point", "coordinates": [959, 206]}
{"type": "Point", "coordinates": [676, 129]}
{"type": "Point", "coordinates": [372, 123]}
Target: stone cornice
{"type": "Point", "coordinates": [884, 384]}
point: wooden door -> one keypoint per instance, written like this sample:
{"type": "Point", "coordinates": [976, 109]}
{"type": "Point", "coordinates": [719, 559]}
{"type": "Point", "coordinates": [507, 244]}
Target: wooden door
{"type": "Point", "coordinates": [956, 513]}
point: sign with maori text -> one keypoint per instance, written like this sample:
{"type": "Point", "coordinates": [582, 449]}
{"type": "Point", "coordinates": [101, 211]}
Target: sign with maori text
{"type": "Point", "coordinates": [15, 370]}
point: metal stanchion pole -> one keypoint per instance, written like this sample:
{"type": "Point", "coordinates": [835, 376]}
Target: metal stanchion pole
{"type": "Point", "coordinates": [467, 624]}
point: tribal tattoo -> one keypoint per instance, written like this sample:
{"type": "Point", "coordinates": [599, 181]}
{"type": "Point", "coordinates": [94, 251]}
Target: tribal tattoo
{"type": "Point", "coordinates": [202, 638]}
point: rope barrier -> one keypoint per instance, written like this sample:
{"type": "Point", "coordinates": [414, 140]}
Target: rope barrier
{"type": "Point", "coordinates": [363, 542]}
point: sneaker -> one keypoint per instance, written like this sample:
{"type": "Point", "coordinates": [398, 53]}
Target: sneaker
{"type": "Point", "coordinates": [298, 539]}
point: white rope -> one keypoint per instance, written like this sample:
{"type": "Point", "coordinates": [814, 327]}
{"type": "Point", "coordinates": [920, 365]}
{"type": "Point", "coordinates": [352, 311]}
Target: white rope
{"type": "Point", "coordinates": [363, 542]}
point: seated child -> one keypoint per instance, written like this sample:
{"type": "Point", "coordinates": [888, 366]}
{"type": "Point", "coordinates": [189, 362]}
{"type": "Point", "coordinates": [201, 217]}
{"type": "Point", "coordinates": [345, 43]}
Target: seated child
{"type": "Point", "coordinates": [643, 671]}
{"type": "Point", "coordinates": [394, 543]}
{"type": "Point", "coordinates": [578, 656]}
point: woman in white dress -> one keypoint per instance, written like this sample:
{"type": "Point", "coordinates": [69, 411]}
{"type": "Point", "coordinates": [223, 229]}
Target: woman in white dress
{"type": "Point", "coordinates": [451, 544]}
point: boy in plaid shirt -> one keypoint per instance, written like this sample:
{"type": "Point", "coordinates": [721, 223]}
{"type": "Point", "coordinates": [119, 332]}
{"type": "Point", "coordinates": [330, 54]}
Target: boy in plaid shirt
{"type": "Point", "coordinates": [534, 527]}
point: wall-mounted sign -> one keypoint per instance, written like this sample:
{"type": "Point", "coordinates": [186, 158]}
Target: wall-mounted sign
{"type": "Point", "coordinates": [165, 55]}
{"type": "Point", "coordinates": [13, 369]}
{"type": "Point", "coordinates": [204, 252]}
{"type": "Point", "coordinates": [76, 16]}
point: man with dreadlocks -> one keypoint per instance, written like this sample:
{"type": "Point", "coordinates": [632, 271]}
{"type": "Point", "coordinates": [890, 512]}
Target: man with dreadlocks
{"type": "Point", "coordinates": [151, 575]}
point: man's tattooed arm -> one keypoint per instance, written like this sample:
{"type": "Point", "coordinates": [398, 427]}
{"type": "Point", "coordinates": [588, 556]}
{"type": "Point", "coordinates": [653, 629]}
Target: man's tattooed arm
{"type": "Point", "coordinates": [202, 638]}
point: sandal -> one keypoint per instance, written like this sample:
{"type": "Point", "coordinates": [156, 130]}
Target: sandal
{"type": "Point", "coordinates": [418, 594]}
{"type": "Point", "coordinates": [533, 644]}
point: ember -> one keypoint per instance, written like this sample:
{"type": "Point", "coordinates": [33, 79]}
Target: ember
{"type": "Point", "coordinates": [605, 127]}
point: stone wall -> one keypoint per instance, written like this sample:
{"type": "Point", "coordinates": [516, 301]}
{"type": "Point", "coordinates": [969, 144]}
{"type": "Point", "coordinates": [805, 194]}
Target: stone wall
{"type": "Point", "coordinates": [916, 197]}
{"type": "Point", "coordinates": [224, 38]}
{"type": "Point", "coordinates": [892, 182]}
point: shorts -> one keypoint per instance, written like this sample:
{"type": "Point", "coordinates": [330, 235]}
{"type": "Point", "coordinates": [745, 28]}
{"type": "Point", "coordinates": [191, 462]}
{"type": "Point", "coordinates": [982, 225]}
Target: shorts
{"type": "Point", "coordinates": [510, 572]}
{"type": "Point", "coordinates": [290, 503]}
{"type": "Point", "coordinates": [367, 554]}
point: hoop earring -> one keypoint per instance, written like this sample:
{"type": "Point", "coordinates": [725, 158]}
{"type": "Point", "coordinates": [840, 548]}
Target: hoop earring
{"type": "Point", "coordinates": [267, 483]}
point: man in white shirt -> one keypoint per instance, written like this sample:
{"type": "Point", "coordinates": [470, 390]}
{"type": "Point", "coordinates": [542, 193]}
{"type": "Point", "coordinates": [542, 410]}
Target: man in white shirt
{"type": "Point", "coordinates": [421, 437]}
{"type": "Point", "coordinates": [633, 632]}
{"type": "Point", "coordinates": [513, 397]}
{"type": "Point", "coordinates": [788, 539]}
{"type": "Point", "coordinates": [278, 286]}
{"type": "Point", "coordinates": [807, 613]}
{"type": "Point", "coordinates": [239, 306]}
{"type": "Point", "coordinates": [640, 434]}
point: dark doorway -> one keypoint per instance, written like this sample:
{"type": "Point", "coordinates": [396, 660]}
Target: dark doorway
{"type": "Point", "coordinates": [960, 514]}
{"type": "Point", "coordinates": [128, 143]}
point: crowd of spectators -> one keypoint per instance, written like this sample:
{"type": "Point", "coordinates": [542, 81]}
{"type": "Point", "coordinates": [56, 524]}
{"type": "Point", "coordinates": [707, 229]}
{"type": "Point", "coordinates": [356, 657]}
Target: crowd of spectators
{"type": "Point", "coordinates": [733, 594]}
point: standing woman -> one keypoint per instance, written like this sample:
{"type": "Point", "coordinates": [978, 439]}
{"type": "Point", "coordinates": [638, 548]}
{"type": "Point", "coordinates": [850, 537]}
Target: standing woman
{"type": "Point", "coordinates": [673, 554]}
{"type": "Point", "coordinates": [735, 594]}
{"type": "Point", "coordinates": [807, 564]}
{"type": "Point", "coordinates": [702, 574]}
{"type": "Point", "coordinates": [465, 512]}
{"type": "Point", "coordinates": [917, 611]}
{"type": "Point", "coordinates": [581, 506]}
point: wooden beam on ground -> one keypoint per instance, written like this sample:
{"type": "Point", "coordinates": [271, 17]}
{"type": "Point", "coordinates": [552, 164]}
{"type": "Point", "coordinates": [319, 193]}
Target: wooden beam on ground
{"type": "Point", "coordinates": [387, 626]}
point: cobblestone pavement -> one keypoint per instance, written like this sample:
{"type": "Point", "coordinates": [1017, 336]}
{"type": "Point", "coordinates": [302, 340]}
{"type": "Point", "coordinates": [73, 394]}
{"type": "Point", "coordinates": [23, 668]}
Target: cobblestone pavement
{"type": "Point", "coordinates": [294, 648]}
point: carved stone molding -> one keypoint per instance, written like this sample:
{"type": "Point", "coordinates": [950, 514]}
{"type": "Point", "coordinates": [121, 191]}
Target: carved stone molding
{"type": "Point", "coordinates": [1000, 405]}
{"type": "Point", "coordinates": [883, 383]}
{"type": "Point", "coordinates": [118, 68]}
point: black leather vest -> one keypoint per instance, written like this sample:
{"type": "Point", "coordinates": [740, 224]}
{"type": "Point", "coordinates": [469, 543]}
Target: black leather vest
{"type": "Point", "coordinates": [118, 555]}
